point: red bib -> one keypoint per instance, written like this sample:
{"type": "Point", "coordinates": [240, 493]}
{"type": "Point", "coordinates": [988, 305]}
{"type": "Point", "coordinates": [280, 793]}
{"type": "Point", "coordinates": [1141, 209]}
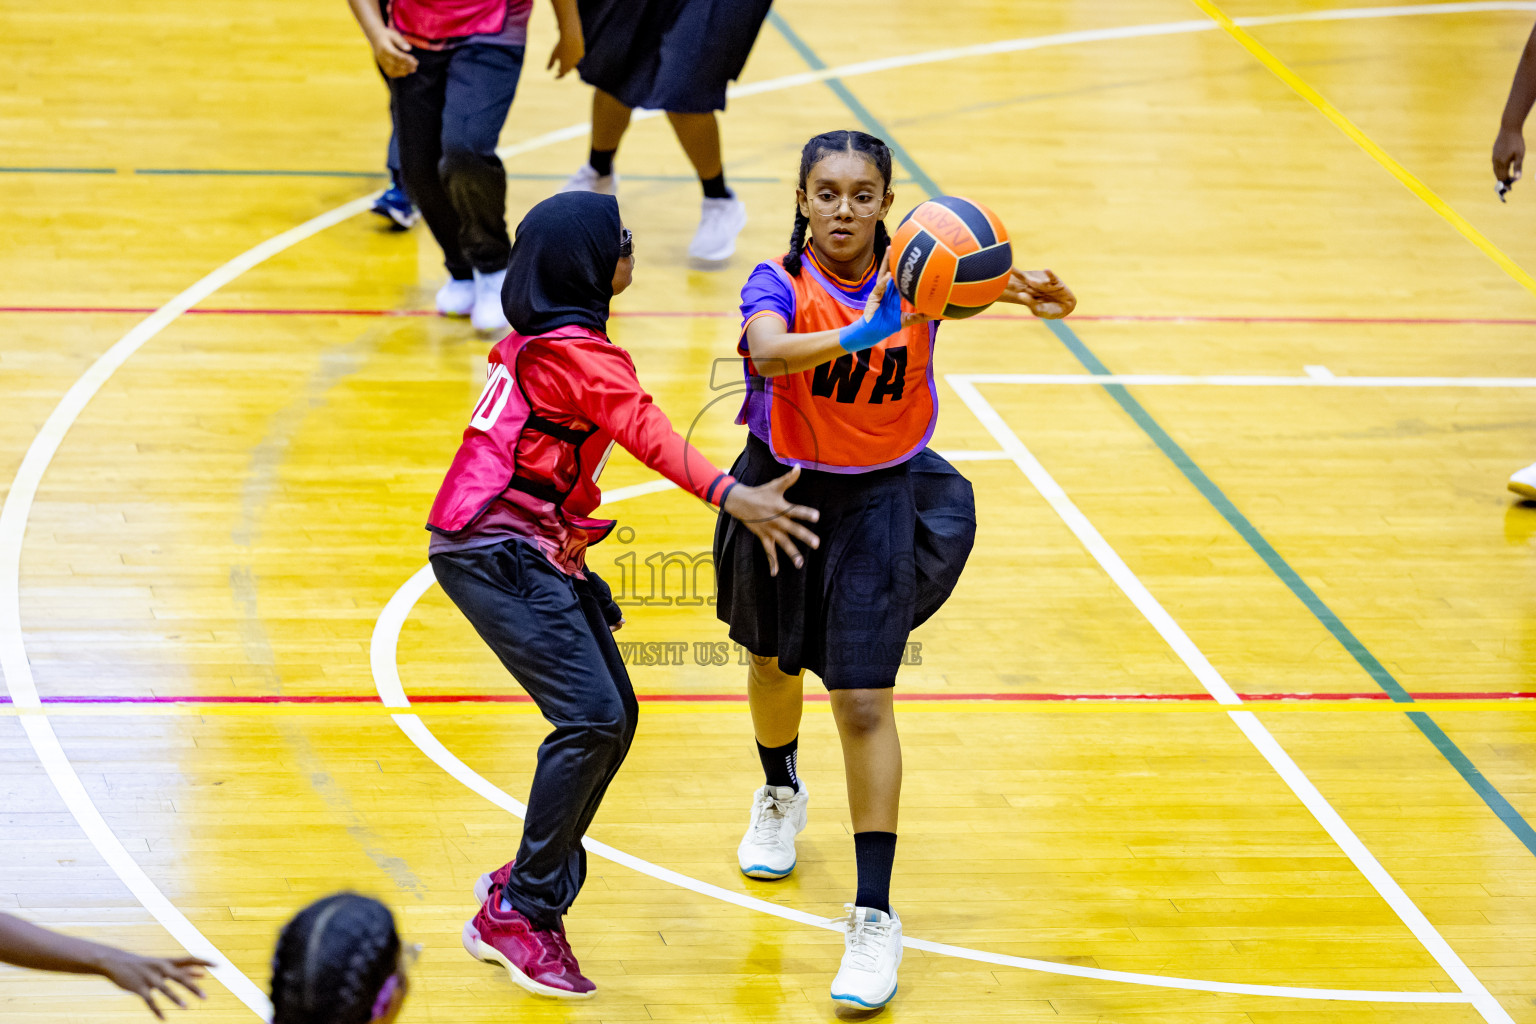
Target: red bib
{"type": "Point", "coordinates": [435, 20]}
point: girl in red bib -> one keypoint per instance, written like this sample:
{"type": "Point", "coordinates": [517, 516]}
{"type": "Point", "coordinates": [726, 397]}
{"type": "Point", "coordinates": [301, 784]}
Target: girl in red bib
{"type": "Point", "coordinates": [510, 528]}
{"type": "Point", "coordinates": [840, 386]}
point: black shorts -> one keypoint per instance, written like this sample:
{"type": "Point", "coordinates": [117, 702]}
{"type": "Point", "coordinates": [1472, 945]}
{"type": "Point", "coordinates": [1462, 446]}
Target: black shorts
{"type": "Point", "coordinates": [893, 545]}
{"type": "Point", "coordinates": [675, 55]}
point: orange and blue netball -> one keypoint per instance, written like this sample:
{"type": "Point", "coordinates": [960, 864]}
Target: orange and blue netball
{"type": "Point", "coordinates": [950, 258]}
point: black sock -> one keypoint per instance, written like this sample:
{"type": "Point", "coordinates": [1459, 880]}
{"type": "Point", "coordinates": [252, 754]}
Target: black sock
{"type": "Point", "coordinates": [875, 852]}
{"type": "Point", "coordinates": [602, 161]}
{"type": "Point", "coordinates": [714, 188]}
{"type": "Point", "coordinates": [779, 764]}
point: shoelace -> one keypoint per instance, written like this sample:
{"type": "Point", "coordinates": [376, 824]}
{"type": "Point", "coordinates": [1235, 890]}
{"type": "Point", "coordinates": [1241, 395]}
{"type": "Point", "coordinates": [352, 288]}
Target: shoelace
{"type": "Point", "coordinates": [866, 937]}
{"type": "Point", "coordinates": [773, 811]}
{"type": "Point", "coordinates": [563, 948]}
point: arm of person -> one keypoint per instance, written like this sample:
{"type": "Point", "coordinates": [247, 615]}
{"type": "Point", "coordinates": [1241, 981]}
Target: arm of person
{"type": "Point", "coordinates": [776, 352]}
{"type": "Point", "coordinates": [1041, 291]}
{"type": "Point", "coordinates": [26, 945]}
{"type": "Point", "coordinates": [390, 48]}
{"type": "Point", "coordinates": [1509, 146]}
{"type": "Point", "coordinates": [571, 46]}
{"type": "Point", "coordinates": [605, 390]}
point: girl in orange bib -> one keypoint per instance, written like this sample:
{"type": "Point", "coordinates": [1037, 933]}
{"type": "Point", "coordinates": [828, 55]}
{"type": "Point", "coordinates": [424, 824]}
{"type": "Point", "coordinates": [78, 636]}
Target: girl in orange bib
{"type": "Point", "coordinates": [840, 383]}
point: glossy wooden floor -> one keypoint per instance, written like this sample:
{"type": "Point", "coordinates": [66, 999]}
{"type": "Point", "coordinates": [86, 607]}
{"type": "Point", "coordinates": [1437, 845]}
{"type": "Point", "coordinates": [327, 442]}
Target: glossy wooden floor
{"type": "Point", "coordinates": [231, 513]}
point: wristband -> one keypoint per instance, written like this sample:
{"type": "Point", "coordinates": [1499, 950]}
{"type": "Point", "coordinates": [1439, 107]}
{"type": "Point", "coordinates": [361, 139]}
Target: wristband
{"type": "Point", "coordinates": [868, 331]}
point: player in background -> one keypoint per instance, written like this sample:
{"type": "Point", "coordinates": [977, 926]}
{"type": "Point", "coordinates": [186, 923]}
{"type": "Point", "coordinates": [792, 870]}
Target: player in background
{"type": "Point", "coordinates": [26, 945]}
{"type": "Point", "coordinates": [453, 67]}
{"type": "Point", "coordinates": [840, 383]}
{"type": "Point", "coordinates": [510, 528]}
{"type": "Point", "coordinates": [340, 961]}
{"type": "Point", "coordinates": [677, 56]}
{"type": "Point", "coordinates": [1508, 155]}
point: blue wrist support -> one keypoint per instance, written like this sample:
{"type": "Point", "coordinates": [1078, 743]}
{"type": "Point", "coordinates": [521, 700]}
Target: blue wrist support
{"type": "Point", "coordinates": [867, 333]}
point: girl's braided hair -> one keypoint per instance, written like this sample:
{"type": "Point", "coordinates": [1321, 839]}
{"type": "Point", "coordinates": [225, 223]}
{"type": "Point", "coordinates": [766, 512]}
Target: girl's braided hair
{"type": "Point", "coordinates": [332, 960]}
{"type": "Point", "coordinates": [878, 153]}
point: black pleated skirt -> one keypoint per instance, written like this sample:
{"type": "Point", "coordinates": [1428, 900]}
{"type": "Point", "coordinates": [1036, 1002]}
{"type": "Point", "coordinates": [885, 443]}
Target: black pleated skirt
{"type": "Point", "coordinates": [893, 545]}
{"type": "Point", "coordinates": [675, 55]}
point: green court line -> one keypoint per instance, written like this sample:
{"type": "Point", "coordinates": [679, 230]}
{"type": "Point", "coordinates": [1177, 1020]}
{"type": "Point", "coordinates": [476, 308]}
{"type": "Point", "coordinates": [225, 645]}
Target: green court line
{"type": "Point", "coordinates": [58, 170]}
{"type": "Point", "coordinates": [860, 111]}
{"type": "Point", "coordinates": [1218, 500]}
{"type": "Point", "coordinates": [1298, 586]}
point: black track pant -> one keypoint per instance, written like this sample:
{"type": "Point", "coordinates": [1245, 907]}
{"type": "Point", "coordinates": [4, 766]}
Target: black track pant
{"type": "Point", "coordinates": [448, 115]}
{"type": "Point", "coordinates": [550, 631]}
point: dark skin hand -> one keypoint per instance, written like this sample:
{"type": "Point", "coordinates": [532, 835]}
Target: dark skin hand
{"type": "Point", "coordinates": [1509, 146]}
{"type": "Point", "coordinates": [27, 945]}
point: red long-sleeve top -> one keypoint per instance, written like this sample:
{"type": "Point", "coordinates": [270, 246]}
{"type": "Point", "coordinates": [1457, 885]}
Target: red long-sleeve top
{"type": "Point", "coordinates": [580, 381]}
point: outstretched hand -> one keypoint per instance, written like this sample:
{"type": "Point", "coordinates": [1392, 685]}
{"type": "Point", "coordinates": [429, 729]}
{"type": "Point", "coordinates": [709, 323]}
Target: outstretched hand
{"type": "Point", "coordinates": [1042, 291]}
{"type": "Point", "coordinates": [772, 519]}
{"type": "Point", "coordinates": [144, 976]}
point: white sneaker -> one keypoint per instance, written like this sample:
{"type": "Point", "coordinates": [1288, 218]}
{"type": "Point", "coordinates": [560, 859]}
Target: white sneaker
{"type": "Point", "coordinates": [1523, 483]}
{"type": "Point", "coordinates": [487, 314]}
{"type": "Point", "coordinates": [871, 954]}
{"type": "Point", "coordinates": [768, 848]}
{"type": "Point", "coordinates": [586, 179]}
{"type": "Point", "coordinates": [720, 221]}
{"type": "Point", "coordinates": [456, 298]}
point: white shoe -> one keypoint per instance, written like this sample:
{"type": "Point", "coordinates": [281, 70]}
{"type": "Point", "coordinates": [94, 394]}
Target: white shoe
{"type": "Point", "coordinates": [456, 298]}
{"type": "Point", "coordinates": [871, 954]}
{"type": "Point", "coordinates": [768, 848]}
{"type": "Point", "coordinates": [586, 179]}
{"type": "Point", "coordinates": [1523, 483]}
{"type": "Point", "coordinates": [720, 221]}
{"type": "Point", "coordinates": [487, 314]}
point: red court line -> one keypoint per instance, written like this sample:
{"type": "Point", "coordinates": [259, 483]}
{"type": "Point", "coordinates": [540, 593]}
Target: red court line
{"type": "Point", "coordinates": [736, 698]}
{"type": "Point", "coordinates": [1172, 318]}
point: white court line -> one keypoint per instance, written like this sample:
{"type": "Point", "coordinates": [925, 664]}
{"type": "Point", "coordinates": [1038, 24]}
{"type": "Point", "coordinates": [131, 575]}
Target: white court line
{"type": "Point", "coordinates": [13, 654]}
{"type": "Point", "coordinates": [1238, 380]}
{"type": "Point", "coordinates": [18, 503]}
{"type": "Point", "coordinates": [1384, 884]}
{"type": "Point", "coordinates": [383, 655]}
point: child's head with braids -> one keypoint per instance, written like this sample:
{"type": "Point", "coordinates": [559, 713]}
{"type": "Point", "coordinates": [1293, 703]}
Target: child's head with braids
{"type": "Point", "coordinates": [843, 197]}
{"type": "Point", "coordinates": [339, 962]}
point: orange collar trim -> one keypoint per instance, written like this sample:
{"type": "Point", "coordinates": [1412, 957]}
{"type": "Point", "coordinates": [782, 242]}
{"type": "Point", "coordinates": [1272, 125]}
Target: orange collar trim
{"type": "Point", "coordinates": [843, 282]}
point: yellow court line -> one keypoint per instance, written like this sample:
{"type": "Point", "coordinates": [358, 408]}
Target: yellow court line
{"type": "Point", "coordinates": [1365, 142]}
{"type": "Point", "coordinates": [472, 709]}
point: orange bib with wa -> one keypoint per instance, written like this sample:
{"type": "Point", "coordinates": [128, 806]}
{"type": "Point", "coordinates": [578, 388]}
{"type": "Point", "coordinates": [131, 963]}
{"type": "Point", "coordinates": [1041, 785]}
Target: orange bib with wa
{"type": "Point", "coordinates": [859, 412]}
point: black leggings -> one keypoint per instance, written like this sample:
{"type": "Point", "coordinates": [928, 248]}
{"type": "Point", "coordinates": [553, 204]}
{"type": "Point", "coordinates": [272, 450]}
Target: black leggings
{"type": "Point", "coordinates": [448, 115]}
{"type": "Point", "coordinates": [550, 631]}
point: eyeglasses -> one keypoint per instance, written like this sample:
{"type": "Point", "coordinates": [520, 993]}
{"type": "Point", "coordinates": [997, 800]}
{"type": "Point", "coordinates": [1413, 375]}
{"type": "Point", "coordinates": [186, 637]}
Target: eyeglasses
{"type": "Point", "coordinates": [860, 204]}
{"type": "Point", "coordinates": [627, 244]}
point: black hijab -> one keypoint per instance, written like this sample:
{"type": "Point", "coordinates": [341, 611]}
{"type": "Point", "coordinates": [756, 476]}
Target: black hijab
{"type": "Point", "coordinates": [561, 270]}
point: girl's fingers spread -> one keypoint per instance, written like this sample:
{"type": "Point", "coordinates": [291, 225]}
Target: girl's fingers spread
{"type": "Point", "coordinates": [152, 1007]}
{"type": "Point", "coordinates": [804, 536]}
{"type": "Point", "coordinates": [773, 556]}
{"type": "Point", "coordinates": [792, 551]}
{"type": "Point", "coordinates": [170, 993]}
{"type": "Point", "coordinates": [810, 515]}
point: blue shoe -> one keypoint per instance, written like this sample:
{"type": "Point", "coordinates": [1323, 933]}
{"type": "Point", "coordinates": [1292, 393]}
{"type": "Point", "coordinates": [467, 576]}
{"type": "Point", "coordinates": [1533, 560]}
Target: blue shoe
{"type": "Point", "coordinates": [397, 208]}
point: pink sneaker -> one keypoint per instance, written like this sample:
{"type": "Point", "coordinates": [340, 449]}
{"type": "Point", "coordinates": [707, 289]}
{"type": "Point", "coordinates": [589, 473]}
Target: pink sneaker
{"type": "Point", "coordinates": [486, 883]}
{"type": "Point", "coordinates": [537, 960]}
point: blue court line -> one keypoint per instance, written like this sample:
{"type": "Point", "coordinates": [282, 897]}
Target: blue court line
{"type": "Point", "coordinates": [1214, 495]}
